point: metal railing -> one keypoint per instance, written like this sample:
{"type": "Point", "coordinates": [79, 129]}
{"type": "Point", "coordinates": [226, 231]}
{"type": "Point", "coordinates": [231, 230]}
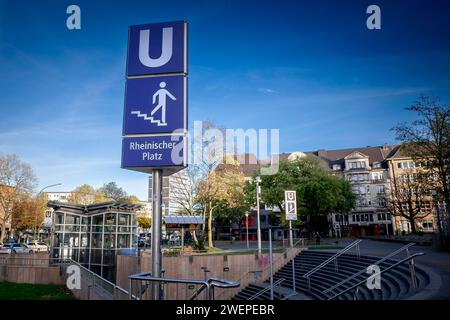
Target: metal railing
{"type": "Point", "coordinates": [264, 290]}
{"type": "Point", "coordinates": [95, 281]}
{"type": "Point", "coordinates": [254, 276]}
{"type": "Point", "coordinates": [409, 258]}
{"type": "Point", "coordinates": [88, 277]}
{"type": "Point", "coordinates": [333, 258]}
{"type": "Point", "coordinates": [198, 286]}
{"type": "Point", "coordinates": [392, 254]}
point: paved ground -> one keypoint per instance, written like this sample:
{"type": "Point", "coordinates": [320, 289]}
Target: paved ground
{"type": "Point", "coordinates": [438, 262]}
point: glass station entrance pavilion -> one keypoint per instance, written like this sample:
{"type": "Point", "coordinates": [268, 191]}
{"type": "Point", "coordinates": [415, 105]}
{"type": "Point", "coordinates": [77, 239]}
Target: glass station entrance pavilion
{"type": "Point", "coordinates": [93, 235]}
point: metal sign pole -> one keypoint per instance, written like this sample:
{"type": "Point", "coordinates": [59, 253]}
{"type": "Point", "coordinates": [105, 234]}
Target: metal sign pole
{"type": "Point", "coordinates": [291, 240]}
{"type": "Point", "coordinates": [271, 263]}
{"type": "Point", "coordinates": [293, 258]}
{"type": "Point", "coordinates": [157, 175]}
{"type": "Point", "coordinates": [258, 180]}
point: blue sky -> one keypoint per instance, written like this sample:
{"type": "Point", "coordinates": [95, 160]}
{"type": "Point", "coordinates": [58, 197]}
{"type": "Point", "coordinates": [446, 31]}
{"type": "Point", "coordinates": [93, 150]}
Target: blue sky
{"type": "Point", "coordinates": [310, 68]}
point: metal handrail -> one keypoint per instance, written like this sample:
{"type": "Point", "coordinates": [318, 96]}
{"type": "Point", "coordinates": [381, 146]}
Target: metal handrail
{"type": "Point", "coordinates": [264, 290]}
{"type": "Point", "coordinates": [411, 257]}
{"type": "Point", "coordinates": [285, 250]}
{"type": "Point", "coordinates": [406, 247]}
{"type": "Point", "coordinates": [96, 276]}
{"type": "Point", "coordinates": [205, 284]}
{"type": "Point", "coordinates": [335, 256]}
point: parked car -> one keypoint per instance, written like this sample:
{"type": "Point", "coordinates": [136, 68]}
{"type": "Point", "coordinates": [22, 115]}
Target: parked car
{"type": "Point", "coordinates": [38, 246]}
{"type": "Point", "coordinates": [15, 248]}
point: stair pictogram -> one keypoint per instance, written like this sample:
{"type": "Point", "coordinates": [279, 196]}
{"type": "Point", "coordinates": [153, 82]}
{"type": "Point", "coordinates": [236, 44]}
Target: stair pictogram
{"type": "Point", "coordinates": [148, 118]}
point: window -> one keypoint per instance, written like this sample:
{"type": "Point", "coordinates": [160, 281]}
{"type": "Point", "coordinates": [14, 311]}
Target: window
{"type": "Point", "coordinates": [358, 218]}
{"type": "Point", "coordinates": [336, 167]}
{"type": "Point", "coordinates": [381, 202]}
{"type": "Point", "coordinates": [371, 217]}
{"type": "Point", "coordinates": [380, 188]}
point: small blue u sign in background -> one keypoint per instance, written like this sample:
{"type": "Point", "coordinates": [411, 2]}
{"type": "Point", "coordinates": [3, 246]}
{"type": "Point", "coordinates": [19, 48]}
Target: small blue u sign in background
{"type": "Point", "coordinates": [158, 48]}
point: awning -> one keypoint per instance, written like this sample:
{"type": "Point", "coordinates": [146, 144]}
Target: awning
{"type": "Point", "coordinates": [184, 220]}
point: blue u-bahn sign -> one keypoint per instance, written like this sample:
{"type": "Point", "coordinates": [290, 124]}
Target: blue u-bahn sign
{"type": "Point", "coordinates": [159, 48]}
{"type": "Point", "coordinates": [155, 111]}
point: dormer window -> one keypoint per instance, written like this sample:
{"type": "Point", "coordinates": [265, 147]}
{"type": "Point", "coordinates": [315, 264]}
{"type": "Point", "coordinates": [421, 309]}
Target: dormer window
{"type": "Point", "coordinates": [336, 167]}
{"type": "Point", "coordinates": [357, 164]}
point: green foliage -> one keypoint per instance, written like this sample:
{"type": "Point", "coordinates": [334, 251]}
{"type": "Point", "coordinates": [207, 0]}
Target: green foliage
{"type": "Point", "coordinates": [144, 222]}
{"type": "Point", "coordinates": [318, 192]}
{"type": "Point", "coordinates": [24, 291]}
{"type": "Point", "coordinates": [200, 244]}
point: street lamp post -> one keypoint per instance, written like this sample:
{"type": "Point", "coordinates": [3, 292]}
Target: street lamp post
{"type": "Point", "coordinates": [258, 193]}
{"type": "Point", "coordinates": [37, 198]}
{"type": "Point", "coordinates": [246, 225]}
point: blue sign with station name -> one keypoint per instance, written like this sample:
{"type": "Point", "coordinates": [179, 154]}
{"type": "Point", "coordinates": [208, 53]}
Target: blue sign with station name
{"type": "Point", "coordinates": [153, 151]}
{"type": "Point", "coordinates": [158, 48]}
{"type": "Point", "coordinates": [155, 111]}
{"type": "Point", "coordinates": [155, 105]}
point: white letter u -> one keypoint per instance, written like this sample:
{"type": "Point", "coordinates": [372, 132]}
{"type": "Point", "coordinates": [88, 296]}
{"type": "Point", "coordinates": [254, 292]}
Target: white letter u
{"type": "Point", "coordinates": [166, 54]}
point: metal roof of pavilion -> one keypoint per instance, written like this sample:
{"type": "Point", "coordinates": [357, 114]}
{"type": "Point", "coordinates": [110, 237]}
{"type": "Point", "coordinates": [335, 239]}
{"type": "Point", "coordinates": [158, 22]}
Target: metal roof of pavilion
{"type": "Point", "coordinates": [117, 205]}
{"type": "Point", "coordinates": [184, 220]}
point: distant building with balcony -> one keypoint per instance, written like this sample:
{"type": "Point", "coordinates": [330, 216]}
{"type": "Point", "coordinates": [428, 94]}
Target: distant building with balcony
{"type": "Point", "coordinates": [367, 170]}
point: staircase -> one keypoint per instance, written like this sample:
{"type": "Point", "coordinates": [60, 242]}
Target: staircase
{"type": "Point", "coordinates": [147, 118]}
{"type": "Point", "coordinates": [395, 283]}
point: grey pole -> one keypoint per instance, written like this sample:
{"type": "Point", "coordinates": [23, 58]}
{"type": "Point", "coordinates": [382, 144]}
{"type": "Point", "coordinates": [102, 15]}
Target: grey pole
{"type": "Point", "coordinates": [157, 175]}
{"type": "Point", "coordinates": [293, 258]}
{"type": "Point", "coordinates": [258, 180]}
{"type": "Point", "coordinates": [246, 223]}
{"type": "Point", "coordinates": [291, 238]}
{"type": "Point", "coordinates": [271, 264]}
{"type": "Point", "coordinates": [36, 215]}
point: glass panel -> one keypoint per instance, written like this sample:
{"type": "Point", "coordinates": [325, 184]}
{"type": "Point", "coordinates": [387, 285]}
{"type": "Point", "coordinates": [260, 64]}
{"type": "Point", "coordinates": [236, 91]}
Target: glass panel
{"type": "Point", "coordinates": [110, 229]}
{"type": "Point", "coordinates": [72, 219]}
{"type": "Point", "coordinates": [109, 257]}
{"type": "Point", "coordinates": [124, 219]}
{"type": "Point", "coordinates": [110, 219]}
{"type": "Point", "coordinates": [123, 241]}
{"type": "Point", "coordinates": [109, 241]}
{"type": "Point", "coordinates": [109, 273]}
{"type": "Point", "coordinates": [72, 228]}
{"type": "Point", "coordinates": [124, 229]}
{"type": "Point", "coordinates": [84, 240]}
{"type": "Point", "coordinates": [85, 220]}
{"type": "Point", "coordinates": [97, 240]}
{"type": "Point", "coordinates": [97, 220]}
{"type": "Point", "coordinates": [97, 229]}
{"type": "Point", "coordinates": [57, 240]}
{"type": "Point", "coordinates": [96, 256]}
{"type": "Point", "coordinates": [59, 219]}
{"type": "Point", "coordinates": [84, 256]}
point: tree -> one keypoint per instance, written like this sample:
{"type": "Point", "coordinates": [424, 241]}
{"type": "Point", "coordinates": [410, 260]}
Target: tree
{"type": "Point", "coordinates": [223, 187]}
{"type": "Point", "coordinates": [28, 213]}
{"type": "Point", "coordinates": [318, 192]}
{"type": "Point", "coordinates": [144, 222]}
{"type": "Point", "coordinates": [427, 141]}
{"type": "Point", "coordinates": [410, 196]}
{"type": "Point", "coordinates": [86, 194]}
{"type": "Point", "coordinates": [16, 179]}
{"type": "Point", "coordinates": [112, 191]}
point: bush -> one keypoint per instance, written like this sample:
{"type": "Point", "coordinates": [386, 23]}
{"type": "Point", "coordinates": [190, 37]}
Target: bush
{"type": "Point", "coordinates": [200, 245]}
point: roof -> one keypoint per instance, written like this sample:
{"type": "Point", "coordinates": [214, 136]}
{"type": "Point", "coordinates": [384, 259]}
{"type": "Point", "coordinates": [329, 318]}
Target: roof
{"type": "Point", "coordinates": [118, 205]}
{"type": "Point", "coordinates": [184, 220]}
